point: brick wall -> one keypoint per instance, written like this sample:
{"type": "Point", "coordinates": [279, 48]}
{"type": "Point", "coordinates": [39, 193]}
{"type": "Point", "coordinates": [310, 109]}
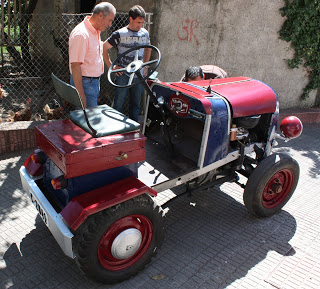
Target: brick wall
{"type": "Point", "coordinates": [16, 136]}
{"type": "Point", "coordinates": [19, 135]}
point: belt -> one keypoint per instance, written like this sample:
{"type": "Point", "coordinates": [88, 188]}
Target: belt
{"type": "Point", "coordinates": [91, 77]}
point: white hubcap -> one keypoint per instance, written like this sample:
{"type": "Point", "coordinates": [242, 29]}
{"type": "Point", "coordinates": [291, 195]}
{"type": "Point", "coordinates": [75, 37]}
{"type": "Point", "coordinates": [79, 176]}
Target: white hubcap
{"type": "Point", "coordinates": [126, 244]}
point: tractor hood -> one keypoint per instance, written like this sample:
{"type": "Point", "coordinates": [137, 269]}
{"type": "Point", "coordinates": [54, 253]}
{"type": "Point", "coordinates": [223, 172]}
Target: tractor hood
{"type": "Point", "coordinates": [246, 96]}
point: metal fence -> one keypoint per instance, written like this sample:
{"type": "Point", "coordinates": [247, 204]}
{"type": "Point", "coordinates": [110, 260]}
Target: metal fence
{"type": "Point", "coordinates": [26, 66]}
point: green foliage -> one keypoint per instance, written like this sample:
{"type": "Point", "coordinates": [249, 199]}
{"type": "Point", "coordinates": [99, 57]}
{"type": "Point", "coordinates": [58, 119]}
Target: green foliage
{"type": "Point", "coordinates": [14, 12]}
{"type": "Point", "coordinates": [302, 29]}
{"type": "Point", "coordinates": [6, 6]}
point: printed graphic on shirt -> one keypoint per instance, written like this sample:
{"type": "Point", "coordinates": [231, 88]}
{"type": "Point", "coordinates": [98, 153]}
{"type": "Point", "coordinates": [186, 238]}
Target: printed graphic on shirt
{"type": "Point", "coordinates": [124, 39]}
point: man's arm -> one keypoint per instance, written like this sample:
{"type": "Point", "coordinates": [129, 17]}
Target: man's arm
{"type": "Point", "coordinates": [77, 79]}
{"type": "Point", "coordinates": [146, 58]}
{"type": "Point", "coordinates": [106, 57]}
{"type": "Point", "coordinates": [147, 54]}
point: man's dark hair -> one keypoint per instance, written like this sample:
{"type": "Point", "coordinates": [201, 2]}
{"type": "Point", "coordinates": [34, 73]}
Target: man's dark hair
{"type": "Point", "coordinates": [192, 72]}
{"type": "Point", "coordinates": [137, 11]}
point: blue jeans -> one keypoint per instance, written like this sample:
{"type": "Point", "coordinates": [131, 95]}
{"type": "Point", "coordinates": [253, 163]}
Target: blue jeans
{"type": "Point", "coordinates": [91, 89]}
{"type": "Point", "coordinates": [134, 96]}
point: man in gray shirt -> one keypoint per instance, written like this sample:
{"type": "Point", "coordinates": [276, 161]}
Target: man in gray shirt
{"type": "Point", "coordinates": [123, 39]}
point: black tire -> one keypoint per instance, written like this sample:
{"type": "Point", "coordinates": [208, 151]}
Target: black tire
{"type": "Point", "coordinates": [96, 238]}
{"type": "Point", "coordinates": [271, 185]}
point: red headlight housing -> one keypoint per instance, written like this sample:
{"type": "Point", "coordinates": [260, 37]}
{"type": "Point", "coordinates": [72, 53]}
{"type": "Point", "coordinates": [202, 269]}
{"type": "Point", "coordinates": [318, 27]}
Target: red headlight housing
{"type": "Point", "coordinates": [291, 127]}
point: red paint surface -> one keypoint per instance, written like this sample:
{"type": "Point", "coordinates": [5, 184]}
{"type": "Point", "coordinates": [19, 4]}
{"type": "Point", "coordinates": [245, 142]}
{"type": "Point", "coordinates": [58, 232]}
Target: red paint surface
{"type": "Point", "coordinates": [179, 105]}
{"type": "Point", "coordinates": [191, 91]}
{"type": "Point", "coordinates": [277, 189]}
{"type": "Point", "coordinates": [32, 168]}
{"type": "Point", "coordinates": [138, 222]}
{"type": "Point", "coordinates": [246, 96]}
{"type": "Point", "coordinates": [212, 82]}
{"type": "Point", "coordinates": [77, 153]}
{"type": "Point", "coordinates": [291, 127]}
{"type": "Point", "coordinates": [100, 199]}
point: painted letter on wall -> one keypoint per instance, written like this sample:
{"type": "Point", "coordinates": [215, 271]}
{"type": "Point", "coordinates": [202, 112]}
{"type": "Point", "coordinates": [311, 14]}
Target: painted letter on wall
{"type": "Point", "coordinates": [186, 31]}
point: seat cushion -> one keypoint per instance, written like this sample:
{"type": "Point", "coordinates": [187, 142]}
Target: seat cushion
{"type": "Point", "coordinates": [105, 120]}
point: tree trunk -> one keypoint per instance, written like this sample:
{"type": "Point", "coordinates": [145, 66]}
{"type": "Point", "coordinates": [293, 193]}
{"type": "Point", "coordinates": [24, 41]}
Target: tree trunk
{"type": "Point", "coordinates": [317, 100]}
{"type": "Point", "coordinates": [14, 53]}
{"type": "Point", "coordinates": [28, 66]}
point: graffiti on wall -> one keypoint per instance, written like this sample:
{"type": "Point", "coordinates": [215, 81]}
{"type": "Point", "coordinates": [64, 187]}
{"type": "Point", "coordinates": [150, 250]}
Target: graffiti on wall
{"type": "Point", "coordinates": [186, 30]}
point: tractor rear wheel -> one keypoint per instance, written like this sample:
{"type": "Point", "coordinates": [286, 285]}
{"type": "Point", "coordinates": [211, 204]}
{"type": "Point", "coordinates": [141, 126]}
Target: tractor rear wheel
{"type": "Point", "coordinates": [117, 243]}
{"type": "Point", "coordinates": [271, 185]}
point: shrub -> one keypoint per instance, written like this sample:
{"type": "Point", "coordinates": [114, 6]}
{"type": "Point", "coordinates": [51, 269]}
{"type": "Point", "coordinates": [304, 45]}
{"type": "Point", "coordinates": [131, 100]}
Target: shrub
{"type": "Point", "coordinates": [302, 29]}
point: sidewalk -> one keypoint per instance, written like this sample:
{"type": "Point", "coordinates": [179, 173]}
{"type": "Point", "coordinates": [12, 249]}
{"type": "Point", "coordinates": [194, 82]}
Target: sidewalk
{"type": "Point", "coordinates": [306, 115]}
{"type": "Point", "coordinates": [210, 242]}
{"type": "Point", "coordinates": [16, 136]}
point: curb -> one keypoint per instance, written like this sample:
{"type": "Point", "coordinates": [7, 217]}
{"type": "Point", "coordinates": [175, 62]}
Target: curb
{"type": "Point", "coordinates": [310, 115]}
{"type": "Point", "coordinates": [16, 136]}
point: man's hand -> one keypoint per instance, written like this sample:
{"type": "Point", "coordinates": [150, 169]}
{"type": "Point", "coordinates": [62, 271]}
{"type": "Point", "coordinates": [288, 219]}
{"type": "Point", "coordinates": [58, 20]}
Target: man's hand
{"type": "Point", "coordinates": [106, 57]}
{"type": "Point", "coordinates": [145, 71]}
{"type": "Point", "coordinates": [77, 79]}
{"type": "Point", "coordinates": [117, 67]}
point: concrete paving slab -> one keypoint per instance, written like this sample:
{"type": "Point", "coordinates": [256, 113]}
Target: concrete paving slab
{"type": "Point", "coordinates": [210, 242]}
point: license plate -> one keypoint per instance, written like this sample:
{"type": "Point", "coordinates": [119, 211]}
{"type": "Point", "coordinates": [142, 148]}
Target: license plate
{"type": "Point", "coordinates": [40, 210]}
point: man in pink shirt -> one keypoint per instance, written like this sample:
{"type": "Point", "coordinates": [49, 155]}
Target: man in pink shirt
{"type": "Point", "coordinates": [86, 53]}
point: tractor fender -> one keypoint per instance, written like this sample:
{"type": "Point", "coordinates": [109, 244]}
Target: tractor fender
{"type": "Point", "coordinates": [84, 205]}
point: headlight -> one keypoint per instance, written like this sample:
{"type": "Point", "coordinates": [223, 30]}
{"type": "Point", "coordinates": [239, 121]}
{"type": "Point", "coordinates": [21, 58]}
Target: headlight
{"type": "Point", "coordinates": [291, 127]}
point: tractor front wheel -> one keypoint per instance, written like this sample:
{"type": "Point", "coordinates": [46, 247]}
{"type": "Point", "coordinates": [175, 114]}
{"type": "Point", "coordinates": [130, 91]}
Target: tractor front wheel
{"type": "Point", "coordinates": [117, 243]}
{"type": "Point", "coordinates": [271, 185]}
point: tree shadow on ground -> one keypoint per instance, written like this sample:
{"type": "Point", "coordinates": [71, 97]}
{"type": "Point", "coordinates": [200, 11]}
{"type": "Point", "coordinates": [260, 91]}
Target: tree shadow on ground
{"type": "Point", "coordinates": [11, 193]}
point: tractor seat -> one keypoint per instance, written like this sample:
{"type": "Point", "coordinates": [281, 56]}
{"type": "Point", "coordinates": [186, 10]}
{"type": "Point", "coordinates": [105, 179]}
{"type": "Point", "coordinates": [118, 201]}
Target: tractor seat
{"type": "Point", "coordinates": [99, 121]}
{"type": "Point", "coordinates": [104, 119]}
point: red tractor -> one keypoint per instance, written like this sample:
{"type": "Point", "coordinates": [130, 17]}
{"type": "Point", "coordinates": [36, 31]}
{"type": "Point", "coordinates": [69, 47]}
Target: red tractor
{"type": "Point", "coordinates": [94, 176]}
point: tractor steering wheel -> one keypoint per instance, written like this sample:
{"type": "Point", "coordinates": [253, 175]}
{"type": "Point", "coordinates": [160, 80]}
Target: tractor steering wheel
{"type": "Point", "coordinates": [134, 68]}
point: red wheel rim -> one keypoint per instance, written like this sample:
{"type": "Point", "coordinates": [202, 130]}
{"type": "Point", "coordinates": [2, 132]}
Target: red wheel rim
{"type": "Point", "coordinates": [277, 189]}
{"type": "Point", "coordinates": [137, 222]}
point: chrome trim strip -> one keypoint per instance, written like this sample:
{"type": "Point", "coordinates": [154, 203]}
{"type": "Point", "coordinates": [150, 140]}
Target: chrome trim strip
{"type": "Point", "coordinates": [195, 112]}
{"type": "Point", "coordinates": [218, 96]}
{"type": "Point", "coordinates": [272, 131]}
{"type": "Point", "coordinates": [57, 227]}
{"type": "Point", "coordinates": [169, 184]}
{"type": "Point", "coordinates": [229, 114]}
{"type": "Point", "coordinates": [204, 141]}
